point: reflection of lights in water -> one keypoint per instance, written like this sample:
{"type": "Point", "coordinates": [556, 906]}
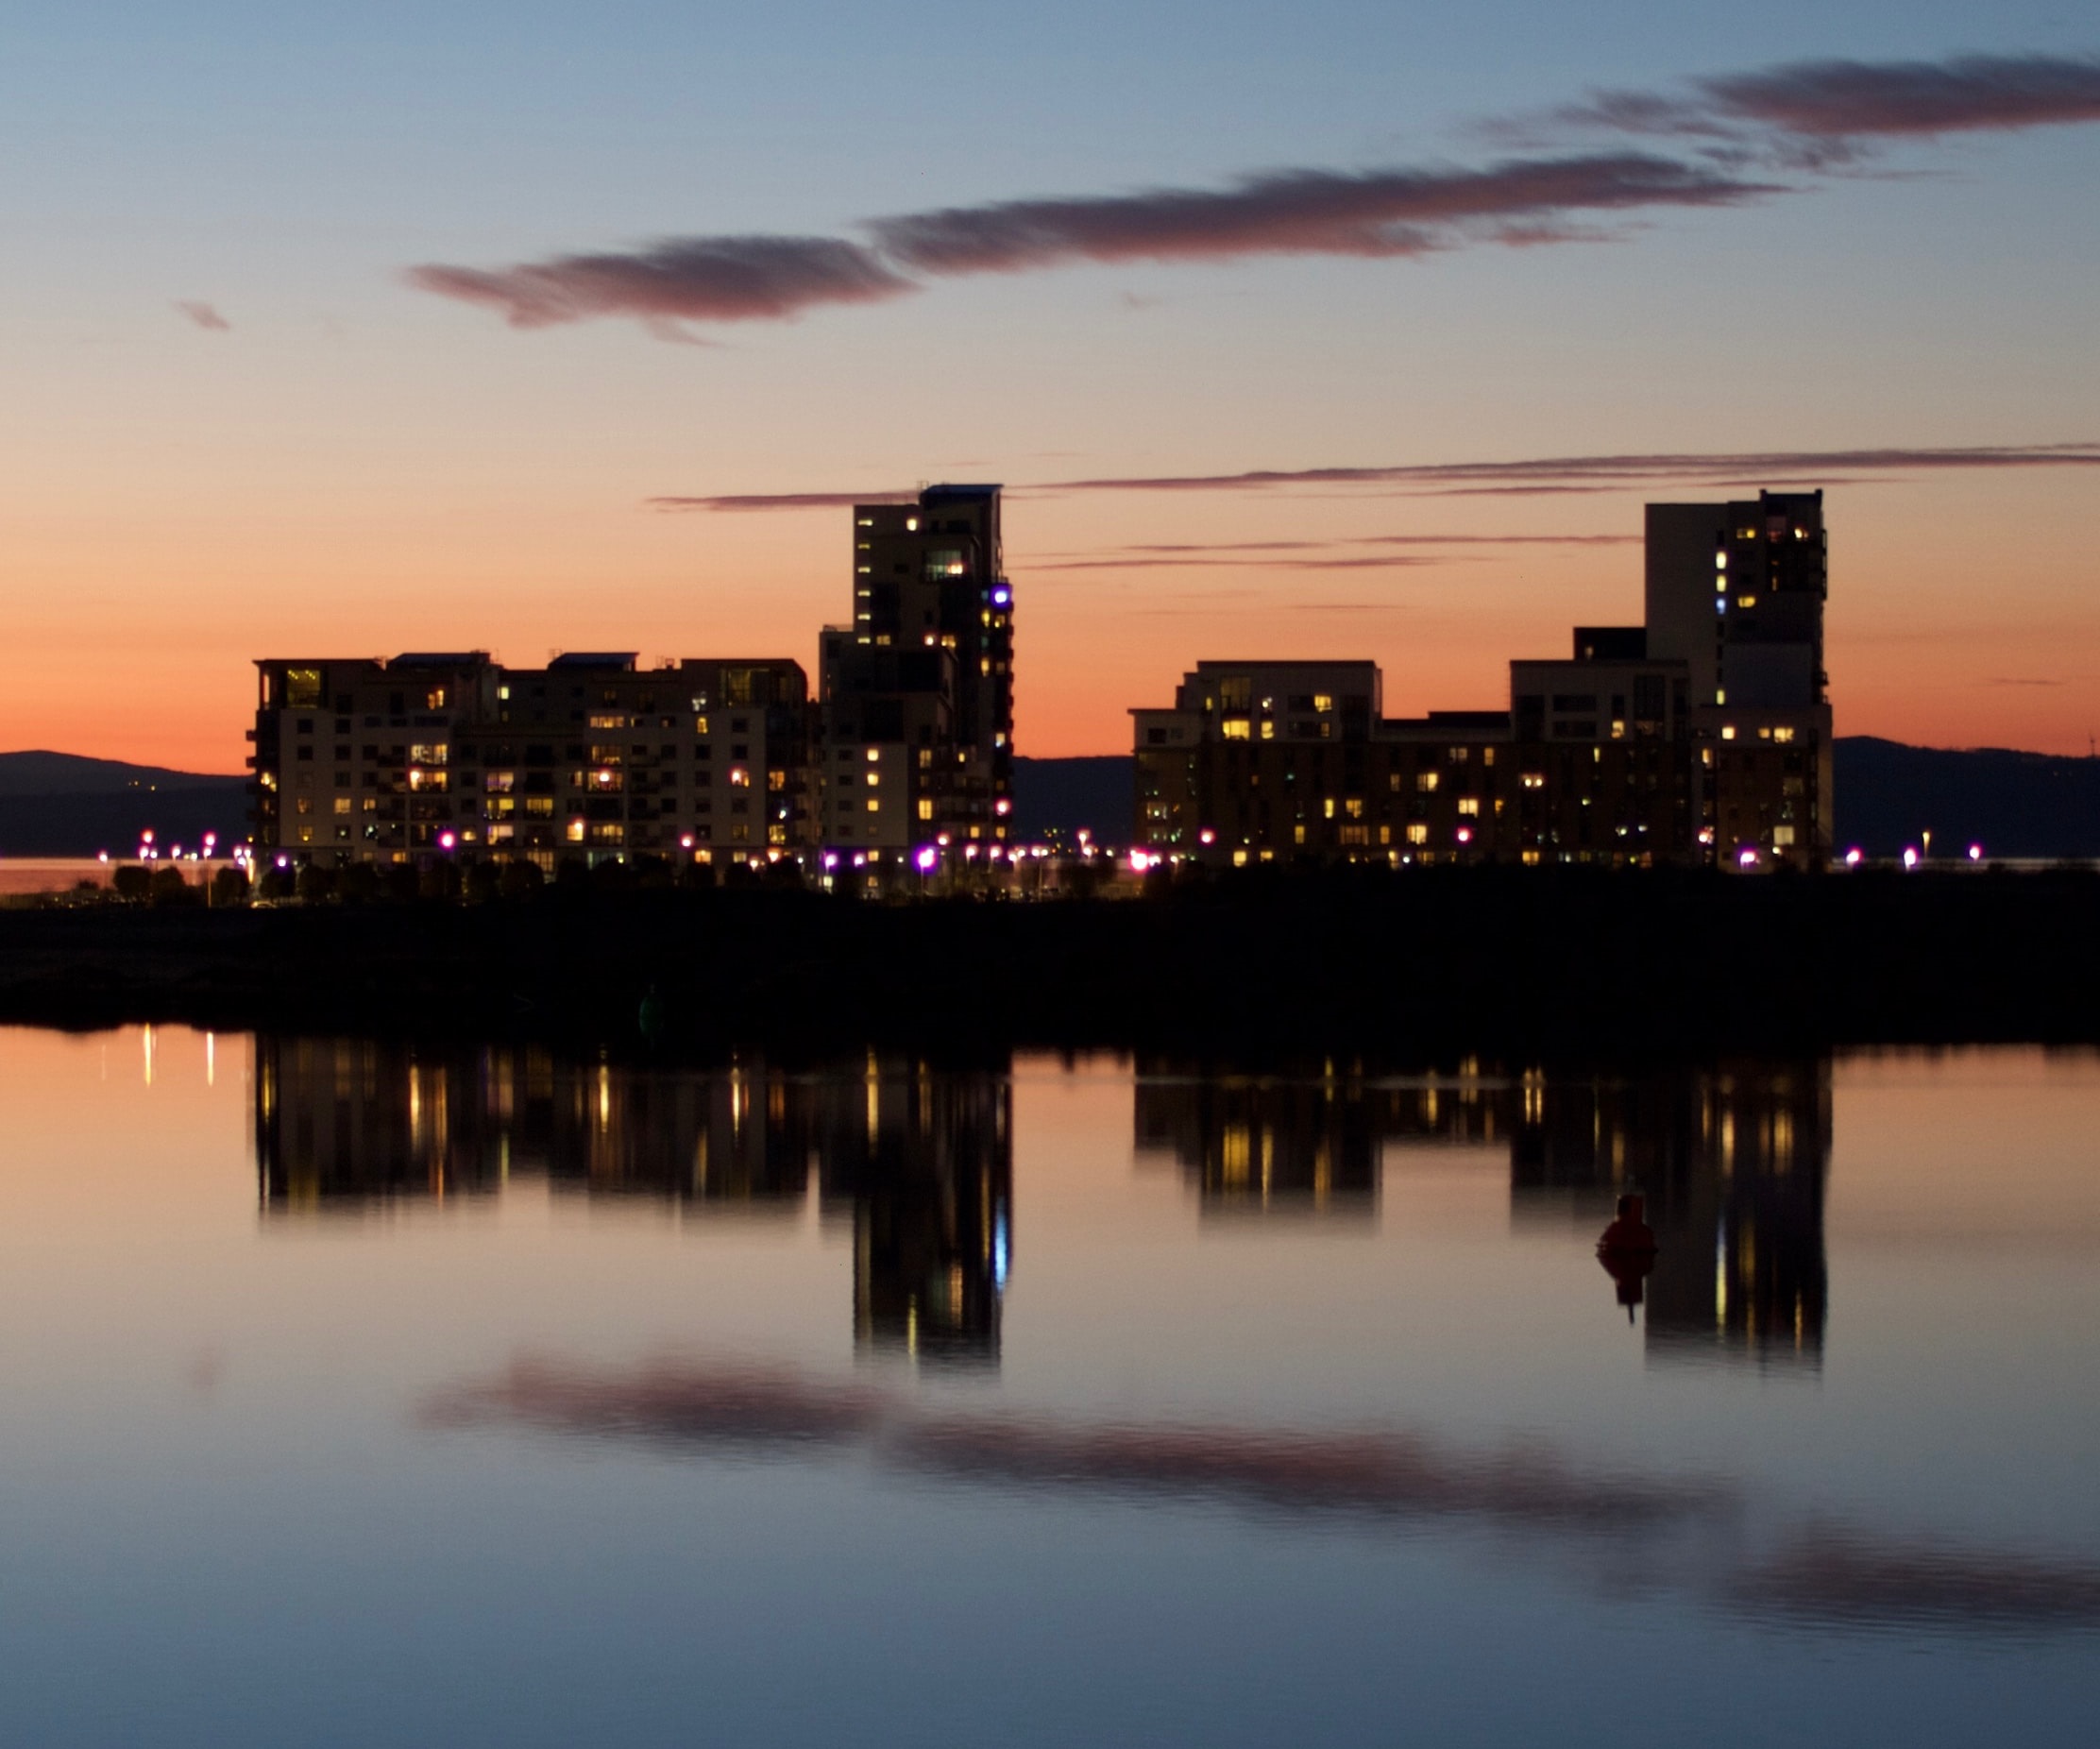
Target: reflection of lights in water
{"type": "Point", "coordinates": [1720, 1274]}
{"type": "Point", "coordinates": [210, 1059]}
{"type": "Point", "coordinates": [999, 1253]}
{"type": "Point", "coordinates": [147, 1039]}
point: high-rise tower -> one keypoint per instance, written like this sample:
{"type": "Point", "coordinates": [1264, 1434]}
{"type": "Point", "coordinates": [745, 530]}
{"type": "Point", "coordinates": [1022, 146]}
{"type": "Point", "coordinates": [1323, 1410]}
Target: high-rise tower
{"type": "Point", "coordinates": [917, 692]}
{"type": "Point", "coordinates": [1735, 591]}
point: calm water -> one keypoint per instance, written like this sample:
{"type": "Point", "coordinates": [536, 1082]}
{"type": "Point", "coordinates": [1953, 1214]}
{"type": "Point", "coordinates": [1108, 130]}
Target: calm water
{"type": "Point", "coordinates": [352, 1397]}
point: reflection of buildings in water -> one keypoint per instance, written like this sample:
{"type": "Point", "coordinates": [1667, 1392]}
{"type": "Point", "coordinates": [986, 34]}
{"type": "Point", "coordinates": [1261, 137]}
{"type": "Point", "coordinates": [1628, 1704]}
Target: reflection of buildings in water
{"type": "Point", "coordinates": [923, 1157]}
{"type": "Point", "coordinates": [926, 1160]}
{"type": "Point", "coordinates": [1732, 1163]}
{"type": "Point", "coordinates": [1266, 1144]}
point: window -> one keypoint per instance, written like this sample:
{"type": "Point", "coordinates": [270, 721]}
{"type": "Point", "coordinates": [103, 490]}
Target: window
{"type": "Point", "coordinates": [1236, 729]}
{"type": "Point", "coordinates": [875, 805]}
{"type": "Point", "coordinates": [303, 688]}
{"type": "Point", "coordinates": [435, 699]}
{"type": "Point", "coordinates": [1783, 735]}
{"type": "Point", "coordinates": [433, 753]}
{"type": "Point", "coordinates": [1426, 782]}
{"type": "Point", "coordinates": [1418, 834]}
{"type": "Point", "coordinates": [601, 720]}
{"type": "Point", "coordinates": [1322, 700]}
{"type": "Point", "coordinates": [1469, 804]}
{"type": "Point", "coordinates": [1728, 732]}
{"type": "Point", "coordinates": [499, 783]}
{"type": "Point", "coordinates": [607, 755]}
{"type": "Point", "coordinates": [926, 808]}
{"type": "Point", "coordinates": [738, 777]}
{"type": "Point", "coordinates": [342, 803]}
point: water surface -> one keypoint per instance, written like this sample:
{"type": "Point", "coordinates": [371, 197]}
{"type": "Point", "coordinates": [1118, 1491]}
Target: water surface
{"type": "Point", "coordinates": [353, 1393]}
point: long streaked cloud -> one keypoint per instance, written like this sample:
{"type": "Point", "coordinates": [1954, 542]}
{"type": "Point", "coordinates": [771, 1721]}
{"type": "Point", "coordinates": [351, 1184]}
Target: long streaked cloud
{"type": "Point", "coordinates": [1828, 102]}
{"type": "Point", "coordinates": [1546, 476]}
{"type": "Point", "coordinates": [1730, 133]}
{"type": "Point", "coordinates": [202, 314]}
{"type": "Point", "coordinates": [1694, 1532]}
{"type": "Point", "coordinates": [683, 280]}
{"type": "Point", "coordinates": [1373, 213]}
{"type": "Point", "coordinates": [1523, 203]}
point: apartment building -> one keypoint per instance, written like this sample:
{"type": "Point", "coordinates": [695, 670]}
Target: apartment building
{"type": "Point", "coordinates": [1700, 737]}
{"type": "Point", "coordinates": [425, 754]}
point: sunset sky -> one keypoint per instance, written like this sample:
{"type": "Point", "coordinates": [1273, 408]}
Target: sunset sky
{"type": "Point", "coordinates": [1333, 330]}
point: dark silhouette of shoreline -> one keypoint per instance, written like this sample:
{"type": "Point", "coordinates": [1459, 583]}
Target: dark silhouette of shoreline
{"type": "Point", "coordinates": [1505, 963]}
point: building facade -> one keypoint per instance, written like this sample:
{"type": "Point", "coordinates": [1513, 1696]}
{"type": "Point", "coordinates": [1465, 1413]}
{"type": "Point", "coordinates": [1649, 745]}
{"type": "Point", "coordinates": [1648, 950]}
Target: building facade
{"type": "Point", "coordinates": [437, 754]}
{"type": "Point", "coordinates": [1702, 737]}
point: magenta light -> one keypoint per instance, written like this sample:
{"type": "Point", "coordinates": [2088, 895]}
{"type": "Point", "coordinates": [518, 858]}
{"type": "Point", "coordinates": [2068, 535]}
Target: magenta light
{"type": "Point", "coordinates": [1976, 853]}
{"type": "Point", "coordinates": [1465, 834]}
{"type": "Point", "coordinates": [1910, 857]}
{"type": "Point", "coordinates": [1852, 857]}
{"type": "Point", "coordinates": [445, 841]}
{"type": "Point", "coordinates": [1207, 837]}
{"type": "Point", "coordinates": [1747, 856]}
{"type": "Point", "coordinates": [926, 858]}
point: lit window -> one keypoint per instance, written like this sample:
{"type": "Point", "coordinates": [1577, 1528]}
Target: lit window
{"type": "Point", "coordinates": [1329, 809]}
{"type": "Point", "coordinates": [873, 753]}
{"type": "Point", "coordinates": [342, 803]}
{"type": "Point", "coordinates": [875, 805]}
{"type": "Point", "coordinates": [1746, 600]}
{"type": "Point", "coordinates": [1721, 695]}
{"type": "Point", "coordinates": [1469, 804]}
{"type": "Point", "coordinates": [926, 808]}
{"type": "Point", "coordinates": [874, 778]}
{"type": "Point", "coordinates": [1418, 834]}
{"type": "Point", "coordinates": [1720, 561]}
{"type": "Point", "coordinates": [435, 699]}
{"type": "Point", "coordinates": [1235, 729]}
{"type": "Point", "coordinates": [1728, 732]}
{"type": "Point", "coordinates": [1322, 700]}
{"type": "Point", "coordinates": [1783, 735]}
{"type": "Point", "coordinates": [1268, 729]}
{"type": "Point", "coordinates": [1426, 781]}
{"type": "Point", "coordinates": [738, 777]}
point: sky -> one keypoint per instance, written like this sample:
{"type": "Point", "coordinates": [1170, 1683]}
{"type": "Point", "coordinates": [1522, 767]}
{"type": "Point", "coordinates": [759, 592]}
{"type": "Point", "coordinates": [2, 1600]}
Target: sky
{"type": "Point", "coordinates": [1341, 330]}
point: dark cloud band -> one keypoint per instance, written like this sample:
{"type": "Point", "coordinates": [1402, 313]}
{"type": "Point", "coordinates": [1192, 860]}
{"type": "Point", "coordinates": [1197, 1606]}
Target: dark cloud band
{"type": "Point", "coordinates": [1558, 474]}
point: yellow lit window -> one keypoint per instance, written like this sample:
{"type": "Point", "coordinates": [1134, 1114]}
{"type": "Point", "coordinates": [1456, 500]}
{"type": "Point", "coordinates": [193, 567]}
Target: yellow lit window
{"type": "Point", "coordinates": [436, 697]}
{"type": "Point", "coordinates": [342, 803]}
{"type": "Point", "coordinates": [926, 808]}
{"type": "Point", "coordinates": [1322, 700]}
{"type": "Point", "coordinates": [1236, 729]}
{"type": "Point", "coordinates": [1783, 735]}
{"type": "Point", "coordinates": [1728, 732]}
{"type": "Point", "coordinates": [1297, 835]}
{"type": "Point", "coordinates": [873, 753]}
{"type": "Point", "coordinates": [738, 777]}
{"type": "Point", "coordinates": [875, 805]}
{"type": "Point", "coordinates": [1469, 804]}
{"type": "Point", "coordinates": [1426, 781]}
{"type": "Point", "coordinates": [1746, 600]}
{"type": "Point", "coordinates": [1268, 729]}
{"type": "Point", "coordinates": [1418, 834]}
{"type": "Point", "coordinates": [1535, 780]}
{"type": "Point", "coordinates": [576, 831]}
{"type": "Point", "coordinates": [874, 778]}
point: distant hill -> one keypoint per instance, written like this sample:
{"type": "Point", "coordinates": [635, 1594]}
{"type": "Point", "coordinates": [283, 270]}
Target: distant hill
{"type": "Point", "coordinates": [61, 804]}
{"type": "Point", "coordinates": [2012, 804]}
{"type": "Point", "coordinates": [1062, 795]}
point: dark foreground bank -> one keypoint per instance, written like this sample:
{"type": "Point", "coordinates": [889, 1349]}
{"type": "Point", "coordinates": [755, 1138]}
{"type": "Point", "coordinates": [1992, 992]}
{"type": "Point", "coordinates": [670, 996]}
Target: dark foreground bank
{"type": "Point", "coordinates": [1498, 962]}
